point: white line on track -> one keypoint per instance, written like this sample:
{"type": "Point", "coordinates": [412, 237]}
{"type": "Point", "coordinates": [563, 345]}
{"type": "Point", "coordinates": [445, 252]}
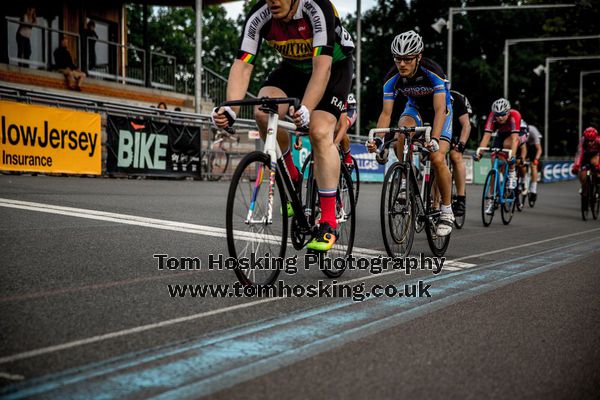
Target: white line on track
{"type": "Point", "coordinates": [11, 377]}
{"type": "Point", "coordinates": [162, 224]}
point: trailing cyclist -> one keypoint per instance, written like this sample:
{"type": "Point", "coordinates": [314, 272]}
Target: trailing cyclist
{"type": "Point", "coordinates": [505, 123]}
{"type": "Point", "coordinates": [423, 83]}
{"type": "Point", "coordinates": [461, 130]}
{"type": "Point", "coordinates": [347, 119]}
{"type": "Point", "coordinates": [587, 155]}
{"type": "Point", "coordinates": [534, 152]}
{"type": "Point", "coordinates": [317, 68]}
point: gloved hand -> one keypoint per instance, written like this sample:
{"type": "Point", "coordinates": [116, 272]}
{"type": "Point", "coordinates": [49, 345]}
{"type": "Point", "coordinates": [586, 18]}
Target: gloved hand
{"type": "Point", "coordinates": [223, 117]}
{"type": "Point", "coordinates": [301, 116]}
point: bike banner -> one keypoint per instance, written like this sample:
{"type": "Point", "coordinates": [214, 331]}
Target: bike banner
{"type": "Point", "coordinates": [556, 171]}
{"type": "Point", "coordinates": [145, 146]}
{"type": "Point", "coordinates": [48, 139]}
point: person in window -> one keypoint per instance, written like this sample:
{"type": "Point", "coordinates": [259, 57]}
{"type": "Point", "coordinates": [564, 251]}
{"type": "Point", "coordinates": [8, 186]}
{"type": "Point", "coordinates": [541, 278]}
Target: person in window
{"type": "Point", "coordinates": [24, 35]}
{"type": "Point", "coordinates": [89, 45]}
{"type": "Point", "coordinates": [64, 64]}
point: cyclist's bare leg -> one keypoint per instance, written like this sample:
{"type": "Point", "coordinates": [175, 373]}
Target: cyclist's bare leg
{"type": "Point", "coordinates": [442, 173]}
{"type": "Point", "coordinates": [459, 171]}
{"type": "Point", "coordinates": [507, 145]}
{"type": "Point", "coordinates": [534, 172]}
{"type": "Point", "coordinates": [263, 118]}
{"type": "Point", "coordinates": [522, 169]}
{"type": "Point", "coordinates": [327, 161]}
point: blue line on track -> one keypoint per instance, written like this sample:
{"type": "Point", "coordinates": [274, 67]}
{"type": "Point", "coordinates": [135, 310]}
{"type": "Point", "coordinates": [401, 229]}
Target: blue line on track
{"type": "Point", "coordinates": [224, 359]}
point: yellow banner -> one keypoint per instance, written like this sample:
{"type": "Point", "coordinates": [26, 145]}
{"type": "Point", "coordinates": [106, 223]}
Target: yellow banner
{"type": "Point", "coordinates": [47, 139]}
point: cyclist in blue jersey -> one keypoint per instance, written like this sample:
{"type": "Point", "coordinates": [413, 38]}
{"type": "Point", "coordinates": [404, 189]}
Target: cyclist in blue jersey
{"type": "Point", "coordinates": [424, 85]}
{"type": "Point", "coordinates": [316, 68]}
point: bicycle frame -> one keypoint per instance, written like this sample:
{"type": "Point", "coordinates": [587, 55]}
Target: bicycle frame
{"type": "Point", "coordinates": [496, 165]}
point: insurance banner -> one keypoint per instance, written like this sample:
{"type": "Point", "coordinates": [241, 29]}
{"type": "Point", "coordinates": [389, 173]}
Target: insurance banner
{"type": "Point", "coordinates": [48, 139]}
{"type": "Point", "coordinates": [146, 146]}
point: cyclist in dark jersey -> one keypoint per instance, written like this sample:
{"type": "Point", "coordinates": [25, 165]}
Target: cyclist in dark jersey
{"type": "Point", "coordinates": [461, 129]}
{"type": "Point", "coordinates": [534, 152]}
{"type": "Point", "coordinates": [317, 68]}
{"type": "Point", "coordinates": [425, 87]}
{"type": "Point", "coordinates": [347, 119]}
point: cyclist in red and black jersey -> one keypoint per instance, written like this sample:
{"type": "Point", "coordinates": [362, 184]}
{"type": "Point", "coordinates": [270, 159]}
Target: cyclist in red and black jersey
{"type": "Point", "coordinates": [317, 68]}
{"type": "Point", "coordinates": [505, 122]}
{"type": "Point", "coordinates": [588, 152]}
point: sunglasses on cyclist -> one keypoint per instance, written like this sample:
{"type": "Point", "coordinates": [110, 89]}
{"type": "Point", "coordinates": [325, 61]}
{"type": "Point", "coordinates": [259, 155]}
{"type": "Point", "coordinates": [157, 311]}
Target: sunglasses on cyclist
{"type": "Point", "coordinates": [405, 60]}
{"type": "Point", "coordinates": [500, 115]}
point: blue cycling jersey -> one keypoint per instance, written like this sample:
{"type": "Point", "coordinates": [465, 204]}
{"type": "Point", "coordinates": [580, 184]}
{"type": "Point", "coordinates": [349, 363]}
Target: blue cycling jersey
{"type": "Point", "coordinates": [419, 89]}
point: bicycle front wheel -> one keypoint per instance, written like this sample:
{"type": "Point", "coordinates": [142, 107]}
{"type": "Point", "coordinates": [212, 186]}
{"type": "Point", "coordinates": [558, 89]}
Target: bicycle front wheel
{"type": "Point", "coordinates": [488, 198]}
{"type": "Point", "coordinates": [595, 199]}
{"type": "Point", "coordinates": [397, 212]}
{"type": "Point", "coordinates": [256, 218]}
{"type": "Point", "coordinates": [355, 179]}
{"type": "Point", "coordinates": [459, 221]}
{"type": "Point", "coordinates": [509, 201]}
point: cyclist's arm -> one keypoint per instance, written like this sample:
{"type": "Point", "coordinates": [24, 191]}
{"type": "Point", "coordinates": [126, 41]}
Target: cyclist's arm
{"type": "Point", "coordinates": [385, 118]}
{"type": "Point", "coordinates": [538, 151]}
{"type": "Point", "coordinates": [466, 128]}
{"type": "Point", "coordinates": [238, 81]}
{"type": "Point", "coordinates": [439, 105]}
{"type": "Point", "coordinates": [485, 140]}
{"type": "Point", "coordinates": [318, 81]}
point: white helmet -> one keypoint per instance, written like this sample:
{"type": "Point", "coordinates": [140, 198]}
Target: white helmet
{"type": "Point", "coordinates": [351, 99]}
{"type": "Point", "coordinates": [407, 44]}
{"type": "Point", "coordinates": [501, 106]}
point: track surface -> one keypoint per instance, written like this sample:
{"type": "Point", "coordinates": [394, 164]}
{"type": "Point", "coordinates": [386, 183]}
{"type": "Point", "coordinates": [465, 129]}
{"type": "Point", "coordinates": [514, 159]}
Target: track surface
{"type": "Point", "coordinates": [85, 312]}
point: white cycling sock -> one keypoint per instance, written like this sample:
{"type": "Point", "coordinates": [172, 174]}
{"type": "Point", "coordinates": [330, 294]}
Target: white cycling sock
{"type": "Point", "coordinates": [533, 187]}
{"type": "Point", "coordinates": [446, 209]}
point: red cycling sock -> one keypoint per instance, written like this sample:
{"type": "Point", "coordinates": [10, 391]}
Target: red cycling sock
{"type": "Point", "coordinates": [327, 200]}
{"type": "Point", "coordinates": [289, 163]}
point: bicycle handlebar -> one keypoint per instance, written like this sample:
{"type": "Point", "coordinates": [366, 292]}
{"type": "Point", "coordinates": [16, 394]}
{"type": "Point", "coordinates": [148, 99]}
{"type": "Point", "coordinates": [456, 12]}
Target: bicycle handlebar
{"type": "Point", "coordinates": [267, 102]}
{"type": "Point", "coordinates": [403, 129]}
{"type": "Point", "coordinates": [493, 150]}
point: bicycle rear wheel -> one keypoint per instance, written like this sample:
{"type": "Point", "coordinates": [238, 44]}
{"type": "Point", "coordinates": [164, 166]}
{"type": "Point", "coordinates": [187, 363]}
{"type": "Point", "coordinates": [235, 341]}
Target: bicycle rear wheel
{"type": "Point", "coordinates": [355, 179]}
{"type": "Point", "coordinates": [509, 201]}
{"type": "Point", "coordinates": [249, 232]}
{"type": "Point", "coordinates": [397, 212]}
{"type": "Point", "coordinates": [458, 221]}
{"type": "Point", "coordinates": [218, 161]}
{"type": "Point", "coordinates": [488, 198]}
{"type": "Point", "coordinates": [437, 244]}
{"type": "Point", "coordinates": [585, 199]}
{"type": "Point", "coordinates": [345, 211]}
{"type": "Point", "coordinates": [519, 196]}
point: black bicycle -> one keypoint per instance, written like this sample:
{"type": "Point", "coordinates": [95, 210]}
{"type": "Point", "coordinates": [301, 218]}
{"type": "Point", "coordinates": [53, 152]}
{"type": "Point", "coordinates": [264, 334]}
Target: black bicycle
{"type": "Point", "coordinates": [406, 197]}
{"type": "Point", "coordinates": [264, 204]}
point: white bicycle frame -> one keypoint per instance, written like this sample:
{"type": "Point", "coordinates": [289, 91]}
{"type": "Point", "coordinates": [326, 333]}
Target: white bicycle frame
{"type": "Point", "coordinates": [272, 149]}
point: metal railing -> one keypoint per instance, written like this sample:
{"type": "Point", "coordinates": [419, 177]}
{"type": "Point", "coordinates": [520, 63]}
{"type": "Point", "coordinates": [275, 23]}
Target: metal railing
{"type": "Point", "coordinates": [163, 70]}
{"type": "Point", "coordinates": [42, 42]}
{"type": "Point", "coordinates": [214, 87]}
{"type": "Point", "coordinates": [115, 61]}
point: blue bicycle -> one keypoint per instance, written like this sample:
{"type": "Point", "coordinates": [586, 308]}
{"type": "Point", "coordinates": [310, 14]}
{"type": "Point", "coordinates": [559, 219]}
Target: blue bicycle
{"type": "Point", "coordinates": [496, 193]}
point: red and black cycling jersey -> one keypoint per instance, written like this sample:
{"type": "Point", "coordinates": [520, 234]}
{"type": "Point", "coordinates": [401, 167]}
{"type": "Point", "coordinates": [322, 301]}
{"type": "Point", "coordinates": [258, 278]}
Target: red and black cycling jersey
{"type": "Point", "coordinates": [512, 124]}
{"type": "Point", "coordinates": [586, 149]}
{"type": "Point", "coordinates": [314, 30]}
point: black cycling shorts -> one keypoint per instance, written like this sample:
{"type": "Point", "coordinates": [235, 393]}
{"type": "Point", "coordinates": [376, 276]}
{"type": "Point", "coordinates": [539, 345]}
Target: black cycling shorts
{"type": "Point", "coordinates": [293, 82]}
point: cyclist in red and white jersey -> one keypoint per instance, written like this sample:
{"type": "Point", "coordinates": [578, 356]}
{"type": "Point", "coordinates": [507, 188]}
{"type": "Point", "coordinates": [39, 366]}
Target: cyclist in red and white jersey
{"type": "Point", "coordinates": [587, 155]}
{"type": "Point", "coordinates": [505, 122]}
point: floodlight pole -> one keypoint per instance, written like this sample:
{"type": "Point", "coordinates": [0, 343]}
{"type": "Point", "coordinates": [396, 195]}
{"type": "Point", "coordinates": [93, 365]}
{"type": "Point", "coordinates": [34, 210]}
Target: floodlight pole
{"type": "Point", "coordinates": [550, 60]}
{"type": "Point", "coordinates": [510, 42]}
{"type": "Point", "coordinates": [455, 10]}
{"type": "Point", "coordinates": [581, 75]}
{"type": "Point", "coordinates": [198, 66]}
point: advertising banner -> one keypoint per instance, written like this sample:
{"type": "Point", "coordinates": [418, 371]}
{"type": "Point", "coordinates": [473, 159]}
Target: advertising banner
{"type": "Point", "coordinates": [556, 171]}
{"type": "Point", "coordinates": [144, 146]}
{"type": "Point", "coordinates": [49, 140]}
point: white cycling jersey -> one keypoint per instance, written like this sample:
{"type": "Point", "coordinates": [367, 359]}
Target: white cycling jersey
{"type": "Point", "coordinates": [534, 135]}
